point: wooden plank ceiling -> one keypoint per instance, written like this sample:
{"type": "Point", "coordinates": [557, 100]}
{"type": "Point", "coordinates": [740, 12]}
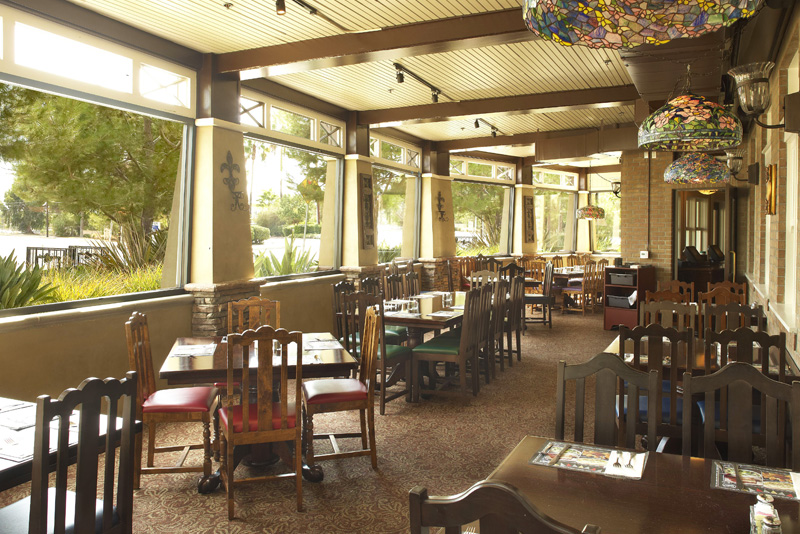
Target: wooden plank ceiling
{"type": "Point", "coordinates": [477, 52]}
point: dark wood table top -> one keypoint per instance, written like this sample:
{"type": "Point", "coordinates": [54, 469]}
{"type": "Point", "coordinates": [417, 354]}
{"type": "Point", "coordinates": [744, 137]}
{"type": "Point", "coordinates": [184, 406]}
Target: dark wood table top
{"type": "Point", "coordinates": [14, 472]}
{"type": "Point", "coordinates": [430, 305]}
{"type": "Point", "coordinates": [673, 496]}
{"type": "Point", "coordinates": [199, 369]}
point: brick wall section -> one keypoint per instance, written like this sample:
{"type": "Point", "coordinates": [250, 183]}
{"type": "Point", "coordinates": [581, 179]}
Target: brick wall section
{"type": "Point", "coordinates": [434, 274]}
{"type": "Point", "coordinates": [210, 307]}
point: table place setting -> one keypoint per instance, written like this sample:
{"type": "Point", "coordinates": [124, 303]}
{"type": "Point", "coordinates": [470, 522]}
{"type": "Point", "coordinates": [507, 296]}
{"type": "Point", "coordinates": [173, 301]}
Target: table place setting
{"type": "Point", "coordinates": [443, 313]}
{"type": "Point", "coordinates": [17, 444]}
{"type": "Point", "coordinates": [755, 479]}
{"type": "Point", "coordinates": [599, 460]}
{"type": "Point", "coordinates": [190, 351]}
{"type": "Point", "coordinates": [321, 344]}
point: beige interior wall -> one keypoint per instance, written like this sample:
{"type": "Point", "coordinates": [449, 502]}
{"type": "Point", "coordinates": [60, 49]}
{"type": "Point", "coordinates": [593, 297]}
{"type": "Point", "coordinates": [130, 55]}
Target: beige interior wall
{"type": "Point", "coordinates": [327, 239]}
{"type": "Point", "coordinates": [520, 247]}
{"type": "Point", "coordinates": [221, 245]}
{"type": "Point", "coordinates": [305, 303]}
{"type": "Point", "coordinates": [437, 237]}
{"type": "Point", "coordinates": [49, 352]}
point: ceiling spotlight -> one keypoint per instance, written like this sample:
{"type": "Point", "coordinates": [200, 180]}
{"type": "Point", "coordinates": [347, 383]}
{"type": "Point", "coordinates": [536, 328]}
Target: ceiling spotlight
{"type": "Point", "coordinates": [477, 124]}
{"type": "Point", "coordinates": [435, 96]}
{"type": "Point", "coordinates": [494, 132]}
{"type": "Point", "coordinates": [280, 7]}
{"type": "Point", "coordinates": [400, 77]}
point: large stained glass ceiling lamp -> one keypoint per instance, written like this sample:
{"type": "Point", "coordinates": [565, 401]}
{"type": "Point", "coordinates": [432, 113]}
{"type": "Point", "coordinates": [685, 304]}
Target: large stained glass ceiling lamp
{"type": "Point", "coordinates": [591, 212]}
{"type": "Point", "coordinates": [697, 168]}
{"type": "Point", "coordinates": [628, 23]}
{"type": "Point", "coordinates": [690, 123]}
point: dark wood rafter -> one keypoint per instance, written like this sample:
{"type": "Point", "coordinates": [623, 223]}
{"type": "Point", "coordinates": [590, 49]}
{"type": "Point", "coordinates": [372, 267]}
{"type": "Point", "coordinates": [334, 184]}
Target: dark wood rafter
{"type": "Point", "coordinates": [603, 97]}
{"type": "Point", "coordinates": [458, 33]}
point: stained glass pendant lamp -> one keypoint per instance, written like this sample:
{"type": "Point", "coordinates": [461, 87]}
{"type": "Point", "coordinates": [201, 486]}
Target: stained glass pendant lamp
{"type": "Point", "coordinates": [591, 212]}
{"type": "Point", "coordinates": [697, 168]}
{"type": "Point", "coordinates": [627, 23]}
{"type": "Point", "coordinates": [690, 123]}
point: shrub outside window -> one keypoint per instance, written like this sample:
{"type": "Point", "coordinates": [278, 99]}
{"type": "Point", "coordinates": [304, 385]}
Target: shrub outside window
{"type": "Point", "coordinates": [552, 210]}
{"type": "Point", "coordinates": [390, 204]}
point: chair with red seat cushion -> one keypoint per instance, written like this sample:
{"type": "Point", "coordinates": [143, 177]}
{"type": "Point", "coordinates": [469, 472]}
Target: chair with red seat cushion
{"type": "Point", "coordinates": [181, 405]}
{"type": "Point", "coordinates": [272, 417]}
{"type": "Point", "coordinates": [345, 394]}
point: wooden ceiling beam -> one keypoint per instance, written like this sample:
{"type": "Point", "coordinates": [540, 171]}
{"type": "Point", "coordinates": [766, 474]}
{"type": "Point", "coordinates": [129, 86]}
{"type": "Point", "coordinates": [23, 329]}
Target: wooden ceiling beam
{"type": "Point", "coordinates": [611, 131]}
{"type": "Point", "coordinates": [604, 97]}
{"type": "Point", "coordinates": [458, 33]}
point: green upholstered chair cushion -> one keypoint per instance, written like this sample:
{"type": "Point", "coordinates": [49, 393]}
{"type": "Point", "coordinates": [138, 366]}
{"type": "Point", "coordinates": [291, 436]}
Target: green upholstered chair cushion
{"type": "Point", "coordinates": [395, 351]}
{"type": "Point", "coordinates": [440, 345]}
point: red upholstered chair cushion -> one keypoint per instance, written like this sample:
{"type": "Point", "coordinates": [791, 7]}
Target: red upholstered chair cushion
{"type": "Point", "coordinates": [236, 417]}
{"type": "Point", "coordinates": [334, 390]}
{"type": "Point", "coordinates": [194, 399]}
{"type": "Point", "coordinates": [224, 385]}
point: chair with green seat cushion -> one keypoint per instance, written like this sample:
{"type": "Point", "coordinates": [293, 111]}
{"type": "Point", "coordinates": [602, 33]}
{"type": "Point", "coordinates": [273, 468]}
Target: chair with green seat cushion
{"type": "Point", "coordinates": [461, 351]}
{"type": "Point", "coordinates": [339, 290]}
{"type": "Point", "coordinates": [513, 322]}
{"type": "Point", "coordinates": [393, 369]}
{"type": "Point", "coordinates": [395, 335]}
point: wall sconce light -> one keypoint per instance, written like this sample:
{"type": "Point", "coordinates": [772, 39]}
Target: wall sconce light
{"type": "Point", "coordinates": [616, 188]}
{"type": "Point", "coordinates": [752, 87]}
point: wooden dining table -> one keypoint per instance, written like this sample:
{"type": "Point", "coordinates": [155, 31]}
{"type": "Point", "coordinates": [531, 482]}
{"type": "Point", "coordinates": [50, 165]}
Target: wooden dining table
{"type": "Point", "coordinates": [433, 315]}
{"type": "Point", "coordinates": [15, 466]}
{"type": "Point", "coordinates": [674, 495]}
{"type": "Point", "coordinates": [197, 360]}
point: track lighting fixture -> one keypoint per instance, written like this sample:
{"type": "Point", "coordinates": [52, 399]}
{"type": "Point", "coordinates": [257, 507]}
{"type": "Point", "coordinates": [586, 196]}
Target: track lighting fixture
{"type": "Point", "coordinates": [280, 7]}
{"type": "Point", "coordinates": [401, 71]}
{"type": "Point", "coordinates": [494, 131]}
{"type": "Point", "coordinates": [434, 96]}
{"type": "Point", "coordinates": [400, 77]}
{"type": "Point", "coordinates": [477, 124]}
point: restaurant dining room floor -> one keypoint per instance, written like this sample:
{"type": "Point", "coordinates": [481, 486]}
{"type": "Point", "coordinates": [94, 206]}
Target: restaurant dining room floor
{"type": "Point", "coordinates": [444, 444]}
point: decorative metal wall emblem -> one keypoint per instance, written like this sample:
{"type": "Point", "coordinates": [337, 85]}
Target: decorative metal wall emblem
{"type": "Point", "coordinates": [440, 206]}
{"type": "Point", "coordinates": [367, 211]}
{"type": "Point", "coordinates": [231, 181]}
{"type": "Point", "coordinates": [530, 219]}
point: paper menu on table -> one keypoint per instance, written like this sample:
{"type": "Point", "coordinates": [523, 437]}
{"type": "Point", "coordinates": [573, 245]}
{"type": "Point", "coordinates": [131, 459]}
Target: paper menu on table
{"type": "Point", "coordinates": [23, 417]}
{"type": "Point", "coordinates": [756, 479]}
{"type": "Point", "coordinates": [190, 351]}
{"type": "Point", "coordinates": [321, 344]}
{"type": "Point", "coordinates": [18, 445]}
{"type": "Point", "coordinates": [599, 460]}
{"type": "Point", "coordinates": [12, 404]}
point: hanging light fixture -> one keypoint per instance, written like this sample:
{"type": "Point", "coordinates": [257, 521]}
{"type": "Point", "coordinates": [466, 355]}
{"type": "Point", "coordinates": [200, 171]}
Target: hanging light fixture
{"type": "Point", "coordinates": [280, 7]}
{"type": "Point", "coordinates": [591, 212]}
{"type": "Point", "coordinates": [627, 23]}
{"type": "Point", "coordinates": [752, 88]}
{"type": "Point", "coordinates": [690, 123]}
{"type": "Point", "coordinates": [697, 168]}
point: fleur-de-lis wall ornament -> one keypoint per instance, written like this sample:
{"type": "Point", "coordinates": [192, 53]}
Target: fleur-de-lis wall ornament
{"type": "Point", "coordinates": [231, 181]}
{"type": "Point", "coordinates": [440, 206]}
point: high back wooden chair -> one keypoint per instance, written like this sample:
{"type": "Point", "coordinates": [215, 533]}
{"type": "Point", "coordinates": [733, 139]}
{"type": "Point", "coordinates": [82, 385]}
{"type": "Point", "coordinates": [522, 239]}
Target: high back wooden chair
{"type": "Point", "coordinates": [477, 279]}
{"type": "Point", "coordinates": [515, 318]}
{"type": "Point", "coordinates": [677, 286]}
{"type": "Point", "coordinates": [667, 295]}
{"type": "Point", "coordinates": [535, 270]}
{"type": "Point", "coordinates": [719, 317]}
{"type": "Point", "coordinates": [609, 371]}
{"type": "Point", "coordinates": [669, 314]}
{"type": "Point", "coordinates": [498, 317]}
{"type": "Point", "coordinates": [58, 510]}
{"type": "Point", "coordinates": [493, 264]}
{"type": "Point", "coordinates": [737, 425]}
{"type": "Point", "coordinates": [498, 507]}
{"type": "Point", "coordinates": [395, 335]}
{"type": "Point", "coordinates": [412, 284]}
{"type": "Point", "coordinates": [653, 347]}
{"type": "Point", "coordinates": [766, 352]}
{"type": "Point", "coordinates": [510, 271]}
{"type": "Point", "coordinates": [460, 350]}
{"type": "Point", "coordinates": [268, 415]}
{"type": "Point", "coordinates": [584, 294]}
{"type": "Point", "coordinates": [395, 287]}
{"type": "Point", "coordinates": [176, 405]}
{"type": "Point", "coordinates": [738, 289]}
{"type": "Point", "coordinates": [720, 295]}
{"type": "Point", "coordinates": [557, 262]}
{"type": "Point", "coordinates": [484, 326]}
{"type": "Point", "coordinates": [372, 285]}
{"type": "Point", "coordinates": [253, 312]}
{"type": "Point", "coordinates": [347, 394]}
{"type": "Point", "coordinates": [481, 263]}
{"type": "Point", "coordinates": [546, 299]}
{"type": "Point", "coordinates": [572, 260]}
{"type": "Point", "coordinates": [339, 290]}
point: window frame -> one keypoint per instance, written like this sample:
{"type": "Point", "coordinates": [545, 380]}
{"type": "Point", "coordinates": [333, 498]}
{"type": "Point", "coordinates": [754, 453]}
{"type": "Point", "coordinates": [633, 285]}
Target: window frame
{"type": "Point", "coordinates": [399, 166]}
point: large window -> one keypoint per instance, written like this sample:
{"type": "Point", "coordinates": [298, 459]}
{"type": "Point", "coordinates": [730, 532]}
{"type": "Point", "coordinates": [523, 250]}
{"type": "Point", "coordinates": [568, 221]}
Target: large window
{"type": "Point", "coordinates": [478, 210]}
{"type": "Point", "coordinates": [390, 203]}
{"type": "Point", "coordinates": [605, 232]}
{"type": "Point", "coordinates": [87, 195]}
{"type": "Point", "coordinates": [552, 217]}
{"type": "Point", "coordinates": [286, 187]}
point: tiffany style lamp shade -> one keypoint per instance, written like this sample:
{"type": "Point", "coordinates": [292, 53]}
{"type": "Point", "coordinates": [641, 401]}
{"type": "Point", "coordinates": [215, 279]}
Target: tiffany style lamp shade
{"type": "Point", "coordinates": [591, 212]}
{"type": "Point", "coordinates": [628, 23]}
{"type": "Point", "coordinates": [690, 123]}
{"type": "Point", "coordinates": [697, 168]}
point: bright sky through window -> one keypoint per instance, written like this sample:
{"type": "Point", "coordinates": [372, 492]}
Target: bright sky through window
{"type": "Point", "coordinates": [48, 52]}
{"type": "Point", "coordinates": [164, 86]}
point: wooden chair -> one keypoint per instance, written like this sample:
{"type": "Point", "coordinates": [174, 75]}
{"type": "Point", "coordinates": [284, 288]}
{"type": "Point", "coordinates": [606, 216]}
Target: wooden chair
{"type": "Point", "coordinates": [667, 295]}
{"type": "Point", "coordinates": [401, 265]}
{"type": "Point", "coordinates": [535, 270]}
{"type": "Point", "coordinates": [510, 271]}
{"type": "Point", "coordinates": [572, 260]}
{"type": "Point", "coordinates": [735, 424]}
{"type": "Point", "coordinates": [484, 326]}
{"type": "Point", "coordinates": [395, 335]}
{"type": "Point", "coordinates": [339, 290]}
{"type": "Point", "coordinates": [609, 370]}
{"type": "Point", "coordinates": [738, 289]}
{"type": "Point", "coordinates": [499, 507]}
{"type": "Point", "coordinates": [493, 264]}
{"type": "Point", "coordinates": [347, 394]}
{"type": "Point", "coordinates": [57, 509]}
{"type": "Point", "coordinates": [669, 314]}
{"type": "Point", "coordinates": [395, 287]}
{"type": "Point", "coordinates": [498, 318]}
{"type": "Point", "coordinates": [514, 319]}
{"type": "Point", "coordinates": [660, 346]}
{"type": "Point", "coordinates": [269, 415]}
{"type": "Point", "coordinates": [412, 284]}
{"type": "Point", "coordinates": [460, 349]}
{"type": "Point", "coordinates": [719, 317]}
{"type": "Point", "coordinates": [720, 295]}
{"type": "Point", "coordinates": [481, 263]}
{"type": "Point", "coordinates": [766, 352]}
{"type": "Point", "coordinates": [677, 286]}
{"type": "Point", "coordinates": [251, 313]}
{"type": "Point", "coordinates": [584, 293]}
{"type": "Point", "coordinates": [478, 279]}
{"type": "Point", "coordinates": [176, 405]}
{"type": "Point", "coordinates": [557, 262]}
{"type": "Point", "coordinates": [394, 360]}
{"type": "Point", "coordinates": [546, 299]}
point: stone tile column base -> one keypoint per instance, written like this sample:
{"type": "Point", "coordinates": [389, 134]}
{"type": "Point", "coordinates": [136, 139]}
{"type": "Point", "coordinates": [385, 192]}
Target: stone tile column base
{"type": "Point", "coordinates": [356, 273]}
{"type": "Point", "coordinates": [434, 274]}
{"type": "Point", "coordinates": [210, 307]}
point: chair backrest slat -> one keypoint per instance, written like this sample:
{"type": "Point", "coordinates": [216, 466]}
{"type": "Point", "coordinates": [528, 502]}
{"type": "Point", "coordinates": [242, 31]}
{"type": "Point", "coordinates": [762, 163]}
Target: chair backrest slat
{"type": "Point", "coordinates": [250, 313]}
{"type": "Point", "coordinates": [140, 358]}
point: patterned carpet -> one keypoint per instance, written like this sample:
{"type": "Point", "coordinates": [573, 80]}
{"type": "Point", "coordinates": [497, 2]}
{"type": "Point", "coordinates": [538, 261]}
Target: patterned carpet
{"type": "Point", "coordinates": [443, 444]}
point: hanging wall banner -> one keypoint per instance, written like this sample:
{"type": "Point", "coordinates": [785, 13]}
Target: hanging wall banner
{"type": "Point", "coordinates": [367, 211]}
{"type": "Point", "coordinates": [530, 219]}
